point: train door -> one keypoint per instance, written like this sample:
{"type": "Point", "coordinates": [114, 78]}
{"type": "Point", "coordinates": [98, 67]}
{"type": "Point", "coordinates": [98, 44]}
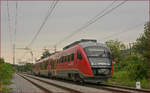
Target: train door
{"type": "Point", "coordinates": [53, 67]}
{"type": "Point", "coordinates": [55, 62]}
{"type": "Point", "coordinates": [79, 56]}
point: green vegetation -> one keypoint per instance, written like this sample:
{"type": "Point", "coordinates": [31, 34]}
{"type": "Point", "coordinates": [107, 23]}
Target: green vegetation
{"type": "Point", "coordinates": [45, 54]}
{"type": "Point", "coordinates": [132, 65]}
{"type": "Point", "coordinates": [5, 74]}
{"type": "Point", "coordinates": [25, 68]}
{"type": "Point", "coordinates": [116, 48]}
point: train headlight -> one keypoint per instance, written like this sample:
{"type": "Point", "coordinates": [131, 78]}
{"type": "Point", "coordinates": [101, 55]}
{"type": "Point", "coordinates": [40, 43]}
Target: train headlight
{"type": "Point", "coordinates": [92, 63]}
{"type": "Point", "coordinates": [104, 63]}
{"type": "Point", "coordinates": [103, 71]}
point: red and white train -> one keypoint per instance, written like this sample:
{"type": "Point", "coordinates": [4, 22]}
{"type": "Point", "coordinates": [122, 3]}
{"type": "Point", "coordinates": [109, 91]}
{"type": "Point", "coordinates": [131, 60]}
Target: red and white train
{"type": "Point", "coordinates": [84, 60]}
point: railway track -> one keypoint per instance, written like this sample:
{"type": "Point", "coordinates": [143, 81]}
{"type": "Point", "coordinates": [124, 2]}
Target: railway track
{"type": "Point", "coordinates": [48, 87]}
{"type": "Point", "coordinates": [122, 89]}
{"type": "Point", "coordinates": [128, 88]}
{"type": "Point", "coordinates": [37, 85]}
{"type": "Point", "coordinates": [100, 87]}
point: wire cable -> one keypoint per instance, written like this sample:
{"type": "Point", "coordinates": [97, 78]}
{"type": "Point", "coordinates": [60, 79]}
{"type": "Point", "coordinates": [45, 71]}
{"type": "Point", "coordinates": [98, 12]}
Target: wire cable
{"type": "Point", "coordinates": [9, 24]}
{"type": "Point", "coordinates": [91, 22]}
{"type": "Point", "coordinates": [123, 31]}
{"type": "Point", "coordinates": [16, 22]}
{"type": "Point", "coordinates": [44, 22]}
{"type": "Point", "coordinates": [50, 10]}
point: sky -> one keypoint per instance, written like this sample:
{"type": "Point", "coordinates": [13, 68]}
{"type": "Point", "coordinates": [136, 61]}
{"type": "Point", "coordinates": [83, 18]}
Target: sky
{"type": "Point", "coordinates": [125, 24]}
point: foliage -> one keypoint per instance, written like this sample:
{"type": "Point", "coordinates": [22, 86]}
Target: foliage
{"type": "Point", "coordinates": [45, 54]}
{"type": "Point", "coordinates": [5, 74]}
{"type": "Point", "coordinates": [135, 67]}
{"type": "Point", "coordinates": [122, 78]}
{"type": "Point", "coordinates": [25, 68]}
{"type": "Point", "coordinates": [142, 43]}
{"type": "Point", "coordinates": [132, 67]}
{"type": "Point", "coordinates": [116, 48]}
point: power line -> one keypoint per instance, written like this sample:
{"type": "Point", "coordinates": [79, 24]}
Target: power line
{"type": "Point", "coordinates": [92, 21]}
{"type": "Point", "coordinates": [52, 7]}
{"type": "Point", "coordinates": [16, 21]}
{"type": "Point", "coordinates": [123, 31]}
{"type": "Point", "coordinates": [95, 17]}
{"type": "Point", "coordinates": [50, 10]}
{"type": "Point", "coordinates": [14, 44]}
{"type": "Point", "coordinates": [9, 26]}
{"type": "Point", "coordinates": [9, 29]}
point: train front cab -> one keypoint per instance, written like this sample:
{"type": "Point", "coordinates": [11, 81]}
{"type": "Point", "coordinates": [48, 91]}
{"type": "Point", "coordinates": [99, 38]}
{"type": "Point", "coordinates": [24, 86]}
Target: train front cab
{"type": "Point", "coordinates": [98, 61]}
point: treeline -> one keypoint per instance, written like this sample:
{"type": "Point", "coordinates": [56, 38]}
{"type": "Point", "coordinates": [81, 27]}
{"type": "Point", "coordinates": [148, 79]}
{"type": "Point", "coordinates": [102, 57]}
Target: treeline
{"type": "Point", "coordinates": [24, 68]}
{"type": "Point", "coordinates": [132, 64]}
{"type": "Point", "coordinates": [6, 71]}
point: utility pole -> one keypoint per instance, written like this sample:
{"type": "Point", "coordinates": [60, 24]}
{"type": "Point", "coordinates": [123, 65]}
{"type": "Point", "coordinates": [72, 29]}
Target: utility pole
{"type": "Point", "coordinates": [28, 49]}
{"type": "Point", "coordinates": [130, 47]}
{"type": "Point", "coordinates": [31, 55]}
{"type": "Point", "coordinates": [55, 48]}
{"type": "Point", "coordinates": [13, 54]}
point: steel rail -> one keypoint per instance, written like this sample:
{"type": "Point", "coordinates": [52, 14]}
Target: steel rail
{"type": "Point", "coordinates": [110, 87]}
{"type": "Point", "coordinates": [114, 88]}
{"type": "Point", "coordinates": [56, 85]}
{"type": "Point", "coordinates": [129, 88]}
{"type": "Point", "coordinates": [39, 86]}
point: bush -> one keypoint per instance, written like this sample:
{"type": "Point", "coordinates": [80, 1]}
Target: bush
{"type": "Point", "coordinates": [144, 83]}
{"type": "Point", "coordinates": [132, 67]}
{"type": "Point", "coordinates": [135, 66]}
{"type": "Point", "coordinates": [122, 78]}
{"type": "Point", "coordinates": [5, 74]}
{"type": "Point", "coordinates": [129, 70]}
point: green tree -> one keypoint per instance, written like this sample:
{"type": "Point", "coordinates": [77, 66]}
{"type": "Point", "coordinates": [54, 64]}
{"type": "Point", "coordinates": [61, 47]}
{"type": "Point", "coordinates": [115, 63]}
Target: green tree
{"type": "Point", "coordinates": [28, 67]}
{"type": "Point", "coordinates": [142, 43]}
{"type": "Point", "coordinates": [142, 48]}
{"type": "Point", "coordinates": [5, 73]}
{"type": "Point", "coordinates": [45, 54]}
{"type": "Point", "coordinates": [116, 48]}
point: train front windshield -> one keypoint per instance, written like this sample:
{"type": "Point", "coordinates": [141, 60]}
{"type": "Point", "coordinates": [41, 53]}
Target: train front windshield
{"type": "Point", "coordinates": [98, 55]}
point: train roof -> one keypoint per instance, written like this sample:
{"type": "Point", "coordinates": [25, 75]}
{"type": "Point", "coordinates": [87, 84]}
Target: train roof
{"type": "Point", "coordinates": [85, 43]}
{"type": "Point", "coordinates": [78, 42]}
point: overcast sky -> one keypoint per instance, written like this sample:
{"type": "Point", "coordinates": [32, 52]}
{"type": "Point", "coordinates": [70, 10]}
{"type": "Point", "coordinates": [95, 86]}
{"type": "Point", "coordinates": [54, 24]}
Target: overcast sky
{"type": "Point", "coordinates": [66, 18]}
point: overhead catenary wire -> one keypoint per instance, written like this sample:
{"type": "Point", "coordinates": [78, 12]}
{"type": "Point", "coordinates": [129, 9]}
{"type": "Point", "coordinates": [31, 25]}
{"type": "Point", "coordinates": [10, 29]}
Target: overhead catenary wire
{"type": "Point", "coordinates": [91, 22]}
{"type": "Point", "coordinates": [52, 7]}
{"type": "Point", "coordinates": [9, 23]}
{"type": "Point", "coordinates": [9, 30]}
{"type": "Point", "coordinates": [14, 43]}
{"type": "Point", "coordinates": [122, 31]}
{"type": "Point", "coordinates": [16, 21]}
{"type": "Point", "coordinates": [95, 17]}
{"type": "Point", "coordinates": [49, 13]}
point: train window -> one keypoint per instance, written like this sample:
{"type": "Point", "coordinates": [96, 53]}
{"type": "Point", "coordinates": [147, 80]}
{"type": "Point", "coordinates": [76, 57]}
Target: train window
{"type": "Point", "coordinates": [41, 65]}
{"type": "Point", "coordinates": [65, 58]}
{"type": "Point", "coordinates": [72, 57]}
{"type": "Point", "coordinates": [68, 58]}
{"type": "Point", "coordinates": [46, 63]}
{"type": "Point", "coordinates": [60, 60]}
{"type": "Point", "coordinates": [57, 61]}
{"type": "Point", "coordinates": [79, 55]}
